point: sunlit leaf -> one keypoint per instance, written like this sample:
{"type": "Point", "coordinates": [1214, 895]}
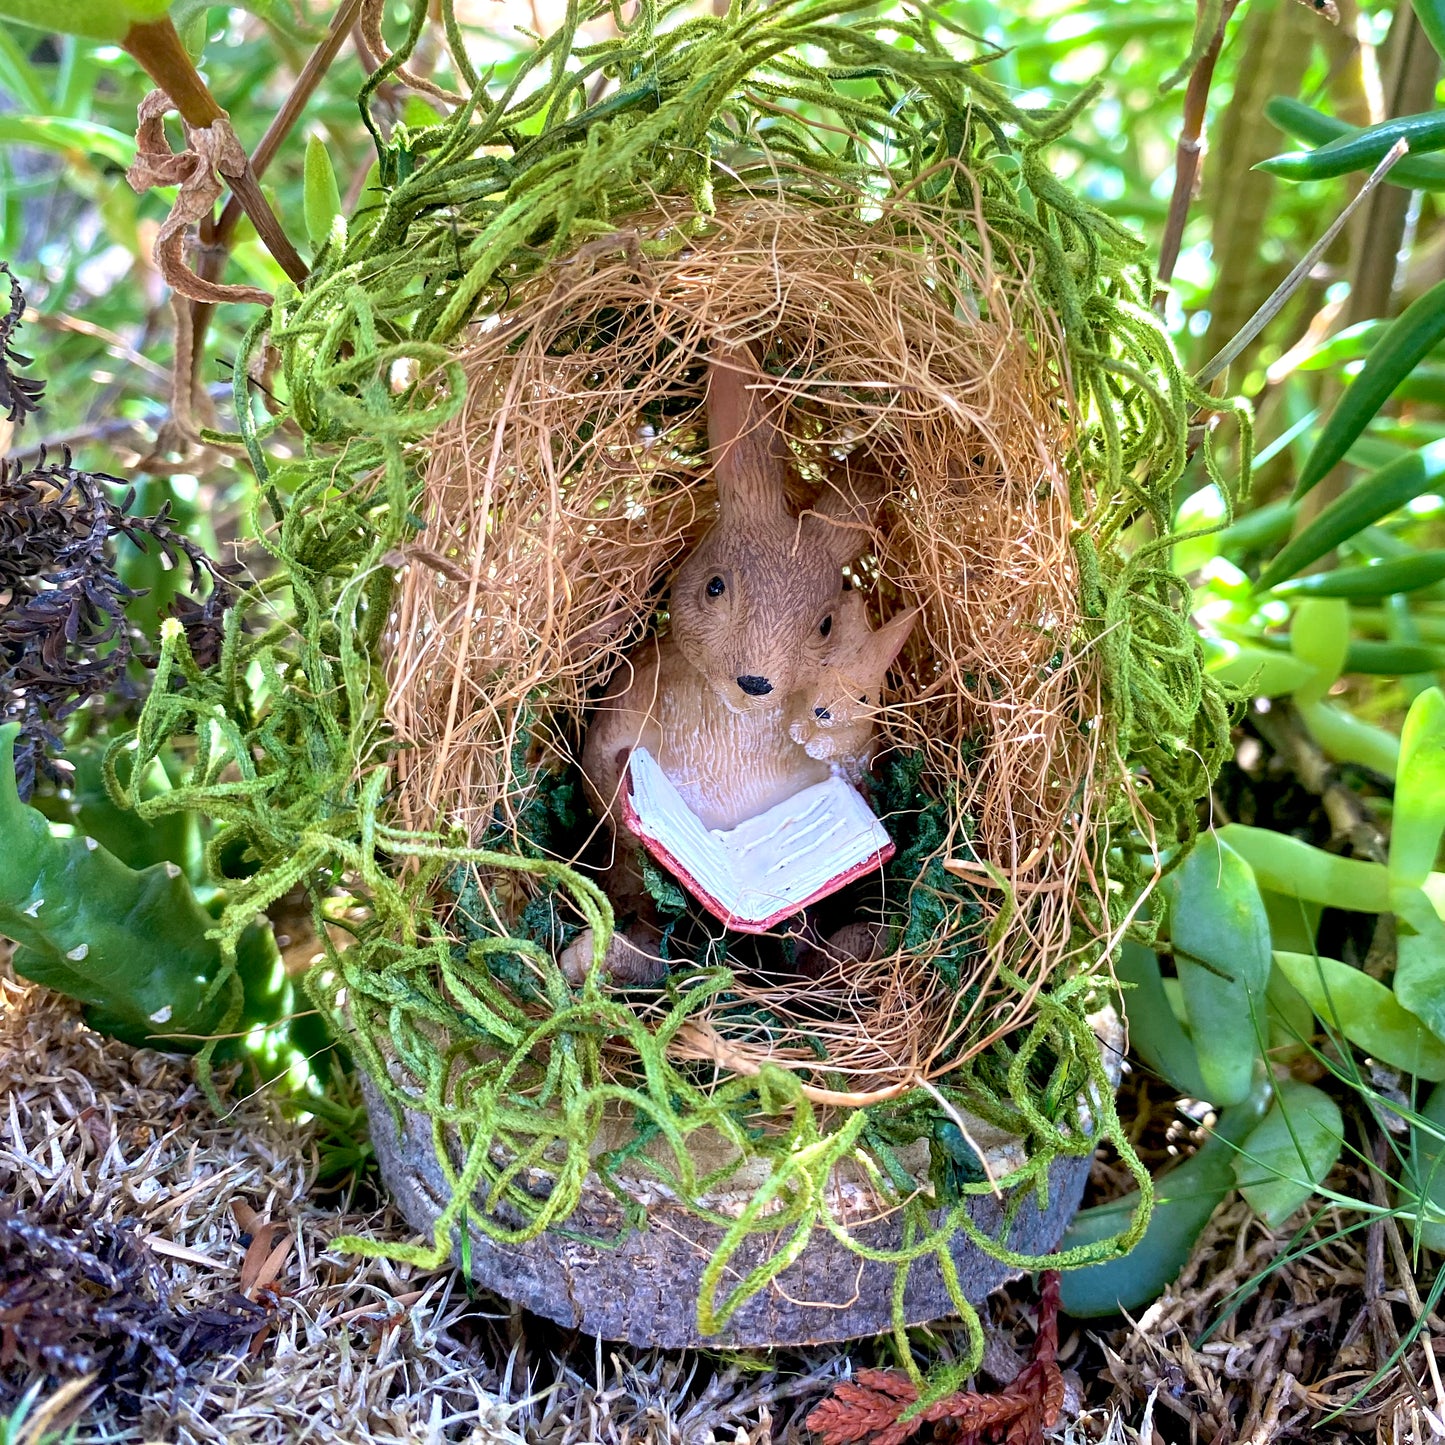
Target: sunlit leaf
{"type": "Point", "coordinates": [1320, 637]}
{"type": "Point", "coordinates": [1294, 869]}
{"type": "Point", "coordinates": [95, 19]}
{"type": "Point", "coordinates": [68, 136]}
{"type": "Point", "coordinates": [1418, 820]}
{"type": "Point", "coordinates": [1365, 1012]}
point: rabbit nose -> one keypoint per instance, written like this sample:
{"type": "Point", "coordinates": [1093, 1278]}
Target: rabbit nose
{"type": "Point", "coordinates": [755, 686]}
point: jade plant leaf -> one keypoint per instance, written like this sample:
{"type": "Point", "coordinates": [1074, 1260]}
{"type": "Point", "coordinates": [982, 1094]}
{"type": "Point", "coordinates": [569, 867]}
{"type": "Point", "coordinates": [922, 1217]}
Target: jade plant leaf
{"type": "Point", "coordinates": [131, 944]}
{"type": "Point", "coordinates": [1286, 1157]}
{"type": "Point", "coordinates": [1366, 1012]}
{"type": "Point", "coordinates": [1220, 936]}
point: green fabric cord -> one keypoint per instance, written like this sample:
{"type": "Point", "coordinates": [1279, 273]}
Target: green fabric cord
{"type": "Point", "coordinates": [291, 747]}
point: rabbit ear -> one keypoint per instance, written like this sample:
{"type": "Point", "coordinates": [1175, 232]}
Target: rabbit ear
{"type": "Point", "coordinates": [877, 651]}
{"type": "Point", "coordinates": [841, 521]}
{"type": "Point", "coordinates": [749, 453]}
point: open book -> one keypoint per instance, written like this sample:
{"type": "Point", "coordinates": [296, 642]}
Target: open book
{"type": "Point", "coordinates": [768, 867]}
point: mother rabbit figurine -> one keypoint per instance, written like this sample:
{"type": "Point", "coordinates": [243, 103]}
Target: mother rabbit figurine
{"type": "Point", "coordinates": [752, 610]}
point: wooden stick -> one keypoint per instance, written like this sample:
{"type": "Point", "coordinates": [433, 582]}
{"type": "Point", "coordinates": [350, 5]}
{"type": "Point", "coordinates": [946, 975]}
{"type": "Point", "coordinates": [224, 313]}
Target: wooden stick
{"type": "Point", "coordinates": [285, 118]}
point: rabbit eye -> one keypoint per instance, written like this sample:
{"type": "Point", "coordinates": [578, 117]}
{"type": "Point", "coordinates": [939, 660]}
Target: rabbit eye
{"type": "Point", "coordinates": [826, 625]}
{"type": "Point", "coordinates": [864, 699]}
{"type": "Point", "coordinates": [716, 587]}
{"type": "Point", "coordinates": [822, 712]}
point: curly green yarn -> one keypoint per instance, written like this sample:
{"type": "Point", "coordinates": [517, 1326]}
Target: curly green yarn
{"type": "Point", "coordinates": [292, 749]}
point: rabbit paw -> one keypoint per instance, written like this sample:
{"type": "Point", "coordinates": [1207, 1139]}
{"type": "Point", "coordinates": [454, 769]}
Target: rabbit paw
{"type": "Point", "coordinates": [853, 943]}
{"type": "Point", "coordinates": [626, 961]}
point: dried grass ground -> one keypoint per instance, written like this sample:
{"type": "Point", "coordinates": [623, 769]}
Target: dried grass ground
{"type": "Point", "coordinates": [352, 1350]}
{"type": "Point", "coordinates": [367, 1351]}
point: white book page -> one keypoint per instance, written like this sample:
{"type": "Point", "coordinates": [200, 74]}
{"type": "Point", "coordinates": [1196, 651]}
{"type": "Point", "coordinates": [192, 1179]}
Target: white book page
{"type": "Point", "coordinates": [788, 853]}
{"type": "Point", "coordinates": [782, 857]}
{"type": "Point", "coordinates": [672, 823]}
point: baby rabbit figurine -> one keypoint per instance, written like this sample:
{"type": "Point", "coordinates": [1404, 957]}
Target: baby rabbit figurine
{"type": "Point", "coordinates": [834, 721]}
{"type": "Point", "coordinates": [753, 609]}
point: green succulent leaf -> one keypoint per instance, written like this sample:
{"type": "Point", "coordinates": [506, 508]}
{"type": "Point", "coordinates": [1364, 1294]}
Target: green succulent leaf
{"type": "Point", "coordinates": [1263, 671]}
{"type": "Point", "coordinates": [1373, 579]}
{"type": "Point", "coordinates": [131, 944]}
{"type": "Point", "coordinates": [1420, 957]}
{"type": "Point", "coordinates": [1286, 1157]}
{"type": "Point", "coordinates": [1406, 343]}
{"type": "Point", "coordinates": [1431, 15]}
{"type": "Point", "coordinates": [1365, 1012]}
{"type": "Point", "coordinates": [1185, 1197]}
{"type": "Point", "coordinates": [1294, 869]}
{"type": "Point", "coordinates": [1348, 739]}
{"type": "Point", "coordinates": [1370, 499]}
{"type": "Point", "coordinates": [1219, 932]}
{"type": "Point", "coordinates": [1320, 638]}
{"type": "Point", "coordinates": [1155, 1034]}
{"type": "Point", "coordinates": [1304, 122]}
{"type": "Point", "coordinates": [1418, 820]}
{"type": "Point", "coordinates": [1425, 1171]}
{"type": "Point", "coordinates": [1362, 151]}
{"type": "Point", "coordinates": [1392, 659]}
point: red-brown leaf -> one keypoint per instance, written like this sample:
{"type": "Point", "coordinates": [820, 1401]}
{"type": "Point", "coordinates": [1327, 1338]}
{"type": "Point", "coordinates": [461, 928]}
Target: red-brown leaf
{"type": "Point", "coordinates": [865, 1410]}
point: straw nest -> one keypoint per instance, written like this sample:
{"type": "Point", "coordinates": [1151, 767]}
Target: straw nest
{"type": "Point", "coordinates": [563, 495]}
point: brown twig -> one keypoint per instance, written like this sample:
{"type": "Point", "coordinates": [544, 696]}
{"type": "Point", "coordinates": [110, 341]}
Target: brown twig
{"type": "Point", "coordinates": [216, 238]}
{"type": "Point", "coordinates": [316, 66]}
{"type": "Point", "coordinates": [1189, 152]}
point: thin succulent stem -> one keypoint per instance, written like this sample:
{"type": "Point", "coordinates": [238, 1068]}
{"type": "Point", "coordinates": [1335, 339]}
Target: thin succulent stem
{"type": "Point", "coordinates": [1277, 299]}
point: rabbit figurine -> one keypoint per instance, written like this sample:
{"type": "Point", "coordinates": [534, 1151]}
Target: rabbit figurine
{"type": "Point", "coordinates": [834, 721]}
{"type": "Point", "coordinates": [753, 609]}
